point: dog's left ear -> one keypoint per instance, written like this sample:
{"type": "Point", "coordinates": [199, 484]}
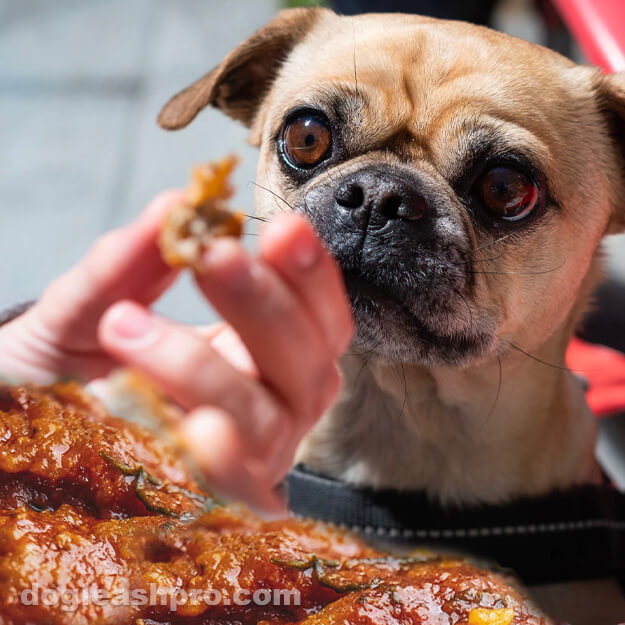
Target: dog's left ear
{"type": "Point", "coordinates": [238, 84]}
{"type": "Point", "coordinates": [610, 91]}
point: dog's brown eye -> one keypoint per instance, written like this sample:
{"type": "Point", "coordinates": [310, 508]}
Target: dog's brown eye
{"type": "Point", "coordinates": [508, 193]}
{"type": "Point", "coordinates": [307, 140]}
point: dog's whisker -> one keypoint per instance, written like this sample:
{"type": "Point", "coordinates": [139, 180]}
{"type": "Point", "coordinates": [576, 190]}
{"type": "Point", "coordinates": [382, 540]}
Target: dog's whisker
{"type": "Point", "coordinates": [542, 362]}
{"type": "Point", "coordinates": [499, 384]}
{"type": "Point", "coordinates": [367, 352]}
{"type": "Point", "coordinates": [275, 195]}
{"type": "Point", "coordinates": [365, 363]}
{"type": "Point", "coordinates": [255, 217]}
{"type": "Point", "coordinates": [520, 273]}
{"type": "Point", "coordinates": [494, 272]}
{"type": "Point", "coordinates": [481, 247]}
{"type": "Point", "coordinates": [268, 191]}
{"type": "Point", "coordinates": [480, 260]}
{"type": "Point", "coordinates": [326, 170]}
{"type": "Point", "coordinates": [466, 303]}
{"type": "Point", "coordinates": [403, 374]}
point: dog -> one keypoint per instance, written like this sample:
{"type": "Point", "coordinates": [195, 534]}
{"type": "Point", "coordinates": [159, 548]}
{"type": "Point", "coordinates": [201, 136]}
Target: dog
{"type": "Point", "coordinates": [463, 179]}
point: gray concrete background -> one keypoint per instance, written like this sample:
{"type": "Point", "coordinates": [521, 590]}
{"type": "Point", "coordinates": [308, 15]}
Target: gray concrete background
{"type": "Point", "coordinates": [81, 82]}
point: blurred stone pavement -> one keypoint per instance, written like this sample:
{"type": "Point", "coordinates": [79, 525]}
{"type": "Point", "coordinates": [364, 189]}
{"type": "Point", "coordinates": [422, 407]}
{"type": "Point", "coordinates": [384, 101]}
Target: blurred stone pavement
{"type": "Point", "coordinates": [81, 83]}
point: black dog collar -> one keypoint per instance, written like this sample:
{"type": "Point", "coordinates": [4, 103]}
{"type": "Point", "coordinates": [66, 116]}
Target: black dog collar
{"type": "Point", "coordinates": [574, 534]}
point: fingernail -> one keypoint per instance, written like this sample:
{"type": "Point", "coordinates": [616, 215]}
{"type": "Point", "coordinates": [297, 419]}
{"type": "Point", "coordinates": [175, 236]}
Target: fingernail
{"type": "Point", "coordinates": [129, 322]}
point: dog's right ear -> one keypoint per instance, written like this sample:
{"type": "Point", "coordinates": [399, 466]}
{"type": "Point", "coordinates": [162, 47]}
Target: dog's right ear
{"type": "Point", "coordinates": [239, 83]}
{"type": "Point", "coordinates": [610, 91]}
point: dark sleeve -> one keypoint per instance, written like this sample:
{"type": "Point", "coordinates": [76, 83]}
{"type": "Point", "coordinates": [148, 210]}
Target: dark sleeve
{"type": "Point", "coordinates": [14, 311]}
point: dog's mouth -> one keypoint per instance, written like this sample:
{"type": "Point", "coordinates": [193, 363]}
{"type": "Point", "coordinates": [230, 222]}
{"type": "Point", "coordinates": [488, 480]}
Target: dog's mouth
{"type": "Point", "coordinates": [425, 319]}
{"type": "Point", "coordinates": [367, 294]}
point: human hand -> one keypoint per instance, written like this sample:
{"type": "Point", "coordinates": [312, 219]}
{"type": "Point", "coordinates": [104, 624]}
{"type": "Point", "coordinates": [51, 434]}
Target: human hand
{"type": "Point", "coordinates": [57, 336]}
{"type": "Point", "coordinates": [251, 387]}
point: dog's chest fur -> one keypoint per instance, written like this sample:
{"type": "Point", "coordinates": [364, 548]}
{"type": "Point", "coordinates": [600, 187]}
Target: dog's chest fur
{"type": "Point", "coordinates": [461, 436]}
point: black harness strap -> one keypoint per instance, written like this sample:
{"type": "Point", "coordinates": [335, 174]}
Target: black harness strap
{"type": "Point", "coordinates": [574, 534]}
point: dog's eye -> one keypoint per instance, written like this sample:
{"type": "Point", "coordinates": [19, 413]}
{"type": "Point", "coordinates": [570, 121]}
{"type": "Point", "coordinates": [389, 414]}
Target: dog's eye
{"type": "Point", "coordinates": [508, 193]}
{"type": "Point", "coordinates": [306, 140]}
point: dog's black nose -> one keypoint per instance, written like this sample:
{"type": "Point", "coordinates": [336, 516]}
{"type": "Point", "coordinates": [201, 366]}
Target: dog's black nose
{"type": "Point", "coordinates": [379, 197]}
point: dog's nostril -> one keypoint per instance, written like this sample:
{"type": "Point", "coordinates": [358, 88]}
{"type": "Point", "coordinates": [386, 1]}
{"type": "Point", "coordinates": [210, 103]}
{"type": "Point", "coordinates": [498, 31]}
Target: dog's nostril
{"type": "Point", "coordinates": [349, 196]}
{"type": "Point", "coordinates": [408, 208]}
{"type": "Point", "coordinates": [375, 197]}
{"type": "Point", "coordinates": [389, 206]}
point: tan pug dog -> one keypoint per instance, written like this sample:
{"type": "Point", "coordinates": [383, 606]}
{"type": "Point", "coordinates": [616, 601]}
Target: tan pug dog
{"type": "Point", "coordinates": [463, 179]}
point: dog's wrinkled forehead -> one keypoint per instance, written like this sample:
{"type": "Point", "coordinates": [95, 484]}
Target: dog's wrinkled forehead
{"type": "Point", "coordinates": [448, 92]}
{"type": "Point", "coordinates": [415, 58]}
{"type": "Point", "coordinates": [426, 89]}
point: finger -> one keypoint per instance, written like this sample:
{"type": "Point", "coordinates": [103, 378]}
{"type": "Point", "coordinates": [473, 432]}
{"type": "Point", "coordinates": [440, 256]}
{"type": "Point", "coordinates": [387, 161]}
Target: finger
{"type": "Point", "coordinates": [292, 248]}
{"type": "Point", "coordinates": [225, 341]}
{"type": "Point", "coordinates": [27, 354]}
{"type": "Point", "coordinates": [185, 367]}
{"type": "Point", "coordinates": [214, 441]}
{"type": "Point", "coordinates": [124, 263]}
{"type": "Point", "coordinates": [286, 346]}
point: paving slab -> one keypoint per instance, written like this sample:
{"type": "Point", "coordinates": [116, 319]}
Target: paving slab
{"type": "Point", "coordinates": [80, 88]}
{"type": "Point", "coordinates": [79, 41]}
{"type": "Point", "coordinates": [191, 36]}
{"type": "Point", "coordinates": [56, 183]}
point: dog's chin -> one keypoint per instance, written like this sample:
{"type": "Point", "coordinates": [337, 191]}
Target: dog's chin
{"type": "Point", "coordinates": [419, 332]}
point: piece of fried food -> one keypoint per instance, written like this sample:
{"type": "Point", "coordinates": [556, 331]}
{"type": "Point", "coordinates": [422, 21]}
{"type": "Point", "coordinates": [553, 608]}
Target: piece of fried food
{"type": "Point", "coordinates": [99, 512]}
{"type": "Point", "coordinates": [190, 226]}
